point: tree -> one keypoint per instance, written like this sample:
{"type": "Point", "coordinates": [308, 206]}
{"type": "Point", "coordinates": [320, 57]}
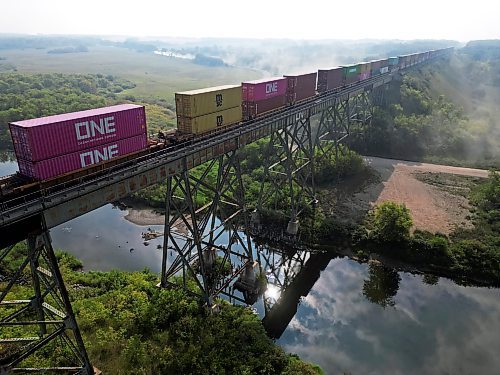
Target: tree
{"type": "Point", "coordinates": [382, 285]}
{"type": "Point", "coordinates": [392, 222]}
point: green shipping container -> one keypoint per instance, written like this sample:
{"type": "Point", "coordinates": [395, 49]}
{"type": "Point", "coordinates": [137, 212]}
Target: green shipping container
{"type": "Point", "coordinates": [393, 60]}
{"type": "Point", "coordinates": [352, 70]}
{"type": "Point", "coordinates": [208, 100]}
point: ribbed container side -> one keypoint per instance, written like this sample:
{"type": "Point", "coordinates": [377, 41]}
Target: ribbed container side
{"type": "Point", "coordinates": [364, 67]}
{"type": "Point", "coordinates": [376, 64]}
{"type": "Point", "coordinates": [329, 79]}
{"type": "Point", "coordinates": [384, 63]}
{"type": "Point", "coordinates": [300, 86]}
{"type": "Point", "coordinates": [47, 137]}
{"type": "Point", "coordinates": [393, 60]}
{"type": "Point", "coordinates": [263, 89]}
{"type": "Point", "coordinates": [364, 75]}
{"type": "Point", "coordinates": [351, 71]}
{"type": "Point", "coordinates": [60, 165]}
{"type": "Point", "coordinates": [351, 74]}
{"type": "Point", "coordinates": [208, 122]}
{"type": "Point", "coordinates": [204, 101]}
{"type": "Point", "coordinates": [253, 109]}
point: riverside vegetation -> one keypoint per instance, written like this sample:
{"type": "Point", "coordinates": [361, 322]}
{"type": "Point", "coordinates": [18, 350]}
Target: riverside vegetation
{"type": "Point", "coordinates": [130, 326]}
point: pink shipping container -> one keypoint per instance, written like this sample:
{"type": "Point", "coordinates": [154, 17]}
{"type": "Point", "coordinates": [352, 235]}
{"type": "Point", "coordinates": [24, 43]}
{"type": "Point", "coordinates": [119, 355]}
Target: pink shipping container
{"type": "Point", "coordinates": [300, 87]}
{"type": "Point", "coordinates": [254, 109]}
{"type": "Point", "coordinates": [364, 75]}
{"type": "Point", "coordinates": [46, 137]}
{"type": "Point", "coordinates": [263, 89]}
{"type": "Point", "coordinates": [59, 165]}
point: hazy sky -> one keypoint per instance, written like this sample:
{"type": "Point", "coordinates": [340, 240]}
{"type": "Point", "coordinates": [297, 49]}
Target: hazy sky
{"type": "Point", "coordinates": [311, 19]}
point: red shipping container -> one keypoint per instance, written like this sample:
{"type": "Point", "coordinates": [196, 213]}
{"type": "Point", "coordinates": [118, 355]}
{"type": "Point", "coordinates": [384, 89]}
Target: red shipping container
{"type": "Point", "coordinates": [263, 89]}
{"type": "Point", "coordinates": [257, 108]}
{"type": "Point", "coordinates": [300, 86]}
{"type": "Point", "coordinates": [56, 166]}
{"type": "Point", "coordinates": [46, 137]}
{"type": "Point", "coordinates": [329, 79]}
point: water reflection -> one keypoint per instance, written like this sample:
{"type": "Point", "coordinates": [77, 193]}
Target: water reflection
{"type": "Point", "coordinates": [8, 164]}
{"type": "Point", "coordinates": [442, 328]}
{"type": "Point", "coordinates": [382, 285]}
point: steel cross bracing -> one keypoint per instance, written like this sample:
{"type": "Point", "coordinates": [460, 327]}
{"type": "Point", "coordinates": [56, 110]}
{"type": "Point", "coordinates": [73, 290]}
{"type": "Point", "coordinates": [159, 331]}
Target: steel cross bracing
{"type": "Point", "coordinates": [288, 180]}
{"type": "Point", "coordinates": [39, 320]}
{"type": "Point", "coordinates": [212, 251]}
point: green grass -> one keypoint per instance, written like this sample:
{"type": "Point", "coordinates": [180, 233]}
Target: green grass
{"type": "Point", "coordinates": [156, 77]}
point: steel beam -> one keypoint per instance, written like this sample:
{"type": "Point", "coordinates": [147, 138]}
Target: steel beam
{"type": "Point", "coordinates": [46, 319]}
{"type": "Point", "coordinates": [210, 248]}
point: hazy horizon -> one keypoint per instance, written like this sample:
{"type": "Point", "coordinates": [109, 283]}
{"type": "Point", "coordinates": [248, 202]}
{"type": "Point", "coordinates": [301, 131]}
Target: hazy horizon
{"type": "Point", "coordinates": [316, 20]}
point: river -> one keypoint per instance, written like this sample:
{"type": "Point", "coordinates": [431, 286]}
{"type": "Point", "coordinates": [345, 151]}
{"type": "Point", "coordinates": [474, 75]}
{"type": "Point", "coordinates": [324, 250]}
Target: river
{"type": "Point", "coordinates": [357, 318]}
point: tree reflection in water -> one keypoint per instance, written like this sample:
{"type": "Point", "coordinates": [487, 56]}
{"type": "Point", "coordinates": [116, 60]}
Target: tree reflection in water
{"type": "Point", "coordinates": [382, 285]}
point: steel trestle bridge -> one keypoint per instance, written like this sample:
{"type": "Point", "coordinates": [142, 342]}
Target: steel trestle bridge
{"type": "Point", "coordinates": [213, 249]}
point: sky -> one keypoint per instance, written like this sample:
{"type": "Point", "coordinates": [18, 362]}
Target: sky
{"type": "Point", "coordinates": [293, 19]}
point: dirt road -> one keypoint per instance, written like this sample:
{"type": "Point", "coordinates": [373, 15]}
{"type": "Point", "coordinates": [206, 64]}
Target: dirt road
{"type": "Point", "coordinates": [434, 207]}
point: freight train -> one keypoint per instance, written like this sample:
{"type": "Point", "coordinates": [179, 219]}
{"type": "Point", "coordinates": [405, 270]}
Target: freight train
{"type": "Point", "coordinates": [65, 147]}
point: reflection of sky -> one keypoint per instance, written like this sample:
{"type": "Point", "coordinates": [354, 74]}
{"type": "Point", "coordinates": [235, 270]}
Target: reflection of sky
{"type": "Point", "coordinates": [7, 168]}
{"type": "Point", "coordinates": [102, 239]}
{"type": "Point", "coordinates": [439, 329]}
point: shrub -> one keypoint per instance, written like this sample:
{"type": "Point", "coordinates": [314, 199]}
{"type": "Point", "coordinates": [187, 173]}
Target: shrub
{"type": "Point", "coordinates": [392, 222]}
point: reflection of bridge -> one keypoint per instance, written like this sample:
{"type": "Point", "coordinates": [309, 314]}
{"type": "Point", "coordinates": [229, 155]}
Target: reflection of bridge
{"type": "Point", "coordinates": [212, 249]}
{"type": "Point", "coordinates": [300, 271]}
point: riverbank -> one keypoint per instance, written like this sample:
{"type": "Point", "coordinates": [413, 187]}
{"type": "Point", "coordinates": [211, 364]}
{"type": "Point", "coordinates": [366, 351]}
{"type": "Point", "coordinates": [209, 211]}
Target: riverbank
{"type": "Point", "coordinates": [434, 207]}
{"type": "Point", "coordinates": [140, 213]}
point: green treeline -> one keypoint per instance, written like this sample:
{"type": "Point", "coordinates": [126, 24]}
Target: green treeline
{"type": "Point", "coordinates": [130, 326]}
{"type": "Point", "coordinates": [27, 96]}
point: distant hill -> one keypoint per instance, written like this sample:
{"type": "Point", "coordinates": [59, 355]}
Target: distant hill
{"type": "Point", "coordinates": [483, 49]}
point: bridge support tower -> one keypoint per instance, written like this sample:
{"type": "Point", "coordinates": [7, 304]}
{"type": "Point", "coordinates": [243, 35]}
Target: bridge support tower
{"type": "Point", "coordinates": [39, 318]}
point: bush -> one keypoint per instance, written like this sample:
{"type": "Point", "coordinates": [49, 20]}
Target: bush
{"type": "Point", "coordinates": [392, 222]}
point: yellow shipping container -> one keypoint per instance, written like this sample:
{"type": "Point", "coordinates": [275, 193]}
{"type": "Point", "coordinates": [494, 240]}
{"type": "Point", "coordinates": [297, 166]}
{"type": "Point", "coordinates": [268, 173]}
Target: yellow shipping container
{"type": "Point", "coordinates": [209, 100]}
{"type": "Point", "coordinates": [208, 122]}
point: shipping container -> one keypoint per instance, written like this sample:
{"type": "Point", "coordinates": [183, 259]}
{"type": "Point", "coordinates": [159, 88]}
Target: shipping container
{"type": "Point", "coordinates": [364, 67]}
{"type": "Point", "coordinates": [351, 73]}
{"type": "Point", "coordinates": [300, 87]}
{"type": "Point", "coordinates": [200, 102]}
{"type": "Point", "coordinates": [376, 64]}
{"type": "Point", "coordinates": [257, 108]}
{"type": "Point", "coordinates": [262, 89]}
{"type": "Point", "coordinates": [393, 61]}
{"type": "Point", "coordinates": [46, 137]}
{"type": "Point", "coordinates": [363, 76]}
{"type": "Point", "coordinates": [208, 122]}
{"type": "Point", "coordinates": [330, 79]}
{"type": "Point", "coordinates": [60, 165]}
